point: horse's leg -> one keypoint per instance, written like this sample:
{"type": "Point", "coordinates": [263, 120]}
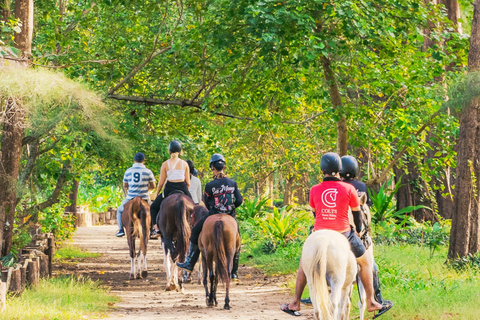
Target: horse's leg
{"type": "Point", "coordinates": [167, 264]}
{"type": "Point", "coordinates": [215, 282]}
{"type": "Point", "coordinates": [205, 281]}
{"type": "Point", "coordinates": [362, 298]}
{"type": "Point", "coordinates": [227, 298]}
{"type": "Point", "coordinates": [212, 287]}
{"type": "Point", "coordinates": [144, 271]}
{"type": "Point", "coordinates": [345, 302]}
{"type": "Point", "coordinates": [336, 284]}
{"type": "Point", "coordinates": [131, 244]}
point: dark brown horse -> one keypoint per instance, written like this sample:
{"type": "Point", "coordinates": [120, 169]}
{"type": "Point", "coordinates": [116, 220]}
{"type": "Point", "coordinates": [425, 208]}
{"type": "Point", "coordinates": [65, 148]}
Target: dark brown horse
{"type": "Point", "coordinates": [218, 242]}
{"type": "Point", "coordinates": [199, 211]}
{"type": "Point", "coordinates": [136, 219]}
{"type": "Point", "coordinates": [172, 221]}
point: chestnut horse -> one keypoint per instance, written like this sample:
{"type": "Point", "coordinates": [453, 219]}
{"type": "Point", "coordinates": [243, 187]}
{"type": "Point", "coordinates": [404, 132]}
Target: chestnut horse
{"type": "Point", "coordinates": [136, 219]}
{"type": "Point", "coordinates": [218, 242]}
{"type": "Point", "coordinates": [172, 221]}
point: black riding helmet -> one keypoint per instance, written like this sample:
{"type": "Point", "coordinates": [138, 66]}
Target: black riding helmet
{"type": "Point", "coordinates": [217, 157]}
{"type": "Point", "coordinates": [331, 163]}
{"type": "Point", "coordinates": [349, 167]}
{"type": "Point", "coordinates": [174, 146]}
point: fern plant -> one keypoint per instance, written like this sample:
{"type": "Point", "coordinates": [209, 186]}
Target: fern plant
{"type": "Point", "coordinates": [384, 207]}
{"type": "Point", "coordinates": [250, 209]}
{"type": "Point", "coordinates": [284, 225]}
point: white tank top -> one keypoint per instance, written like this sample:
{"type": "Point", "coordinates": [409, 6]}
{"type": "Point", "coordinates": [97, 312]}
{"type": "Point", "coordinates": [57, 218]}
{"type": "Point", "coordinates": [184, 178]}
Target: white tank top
{"type": "Point", "coordinates": [173, 174]}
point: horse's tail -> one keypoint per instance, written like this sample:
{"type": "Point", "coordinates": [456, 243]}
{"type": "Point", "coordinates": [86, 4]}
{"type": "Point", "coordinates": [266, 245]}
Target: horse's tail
{"type": "Point", "coordinates": [142, 214]}
{"type": "Point", "coordinates": [183, 229]}
{"type": "Point", "coordinates": [136, 214]}
{"type": "Point", "coordinates": [316, 269]}
{"type": "Point", "coordinates": [219, 247]}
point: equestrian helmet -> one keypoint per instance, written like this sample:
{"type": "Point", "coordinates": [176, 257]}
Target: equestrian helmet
{"type": "Point", "coordinates": [349, 167]}
{"type": "Point", "coordinates": [217, 157]}
{"type": "Point", "coordinates": [174, 146]}
{"type": "Point", "coordinates": [331, 163]}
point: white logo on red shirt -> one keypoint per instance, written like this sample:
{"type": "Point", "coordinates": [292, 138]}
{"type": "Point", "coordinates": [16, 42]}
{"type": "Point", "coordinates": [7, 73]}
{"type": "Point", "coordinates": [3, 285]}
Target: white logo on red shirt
{"type": "Point", "coordinates": [329, 197]}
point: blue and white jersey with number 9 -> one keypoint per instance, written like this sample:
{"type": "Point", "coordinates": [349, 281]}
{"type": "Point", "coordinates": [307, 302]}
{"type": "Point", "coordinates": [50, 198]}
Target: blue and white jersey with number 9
{"type": "Point", "coordinates": [138, 177]}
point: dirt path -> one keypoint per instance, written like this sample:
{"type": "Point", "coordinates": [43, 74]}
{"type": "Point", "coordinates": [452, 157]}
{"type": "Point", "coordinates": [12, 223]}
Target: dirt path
{"type": "Point", "coordinates": [255, 297]}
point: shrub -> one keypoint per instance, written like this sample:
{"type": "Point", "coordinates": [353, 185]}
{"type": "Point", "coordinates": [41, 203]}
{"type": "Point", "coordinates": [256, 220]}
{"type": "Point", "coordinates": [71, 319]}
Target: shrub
{"type": "Point", "coordinates": [469, 262]}
{"type": "Point", "coordinates": [384, 207]}
{"type": "Point", "coordinates": [250, 209]}
{"type": "Point", "coordinates": [283, 225]}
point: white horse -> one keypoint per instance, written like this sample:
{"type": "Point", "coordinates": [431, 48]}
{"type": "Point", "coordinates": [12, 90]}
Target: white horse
{"type": "Point", "coordinates": [328, 261]}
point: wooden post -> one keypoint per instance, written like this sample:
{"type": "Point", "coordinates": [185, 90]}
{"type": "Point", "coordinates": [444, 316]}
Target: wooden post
{"type": "Point", "coordinates": [23, 276]}
{"type": "Point", "coordinates": [16, 282]}
{"type": "Point", "coordinates": [32, 272]}
{"type": "Point", "coordinates": [50, 253]}
{"type": "Point", "coordinates": [4, 275]}
{"type": "Point", "coordinates": [43, 259]}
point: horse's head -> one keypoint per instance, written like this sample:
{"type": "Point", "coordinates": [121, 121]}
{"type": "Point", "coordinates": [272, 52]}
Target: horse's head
{"type": "Point", "coordinates": [365, 210]}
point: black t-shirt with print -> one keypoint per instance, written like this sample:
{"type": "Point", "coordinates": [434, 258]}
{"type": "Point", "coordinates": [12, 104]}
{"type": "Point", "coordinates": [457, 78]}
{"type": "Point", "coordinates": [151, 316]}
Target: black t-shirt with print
{"type": "Point", "coordinates": [361, 189]}
{"type": "Point", "coordinates": [222, 196]}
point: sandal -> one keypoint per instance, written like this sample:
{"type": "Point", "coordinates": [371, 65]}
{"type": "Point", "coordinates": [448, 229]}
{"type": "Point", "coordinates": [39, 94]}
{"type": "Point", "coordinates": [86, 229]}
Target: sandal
{"type": "Point", "coordinates": [285, 309]}
{"type": "Point", "coordinates": [385, 308]}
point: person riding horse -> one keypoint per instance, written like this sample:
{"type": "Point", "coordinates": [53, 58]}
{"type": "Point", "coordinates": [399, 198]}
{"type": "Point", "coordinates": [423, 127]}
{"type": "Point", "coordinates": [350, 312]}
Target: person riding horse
{"type": "Point", "coordinates": [137, 180]}
{"type": "Point", "coordinates": [330, 201]}
{"type": "Point", "coordinates": [175, 176]}
{"type": "Point", "coordinates": [348, 173]}
{"type": "Point", "coordinates": [195, 184]}
{"type": "Point", "coordinates": [221, 196]}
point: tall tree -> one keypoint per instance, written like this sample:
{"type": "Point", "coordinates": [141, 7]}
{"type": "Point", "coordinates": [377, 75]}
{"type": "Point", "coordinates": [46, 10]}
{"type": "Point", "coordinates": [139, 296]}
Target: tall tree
{"type": "Point", "coordinates": [465, 235]}
{"type": "Point", "coordinates": [12, 133]}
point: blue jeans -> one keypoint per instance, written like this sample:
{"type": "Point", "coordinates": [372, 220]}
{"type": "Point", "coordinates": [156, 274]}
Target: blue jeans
{"type": "Point", "coordinates": [119, 213]}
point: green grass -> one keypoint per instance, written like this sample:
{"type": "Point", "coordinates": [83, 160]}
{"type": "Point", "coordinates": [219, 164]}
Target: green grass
{"type": "Point", "coordinates": [60, 298]}
{"type": "Point", "coordinates": [73, 252]}
{"type": "Point", "coordinates": [421, 286]}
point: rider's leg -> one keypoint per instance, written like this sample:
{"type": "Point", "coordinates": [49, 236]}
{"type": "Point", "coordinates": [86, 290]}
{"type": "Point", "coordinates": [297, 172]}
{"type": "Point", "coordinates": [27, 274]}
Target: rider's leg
{"type": "Point", "coordinates": [120, 209]}
{"type": "Point", "coordinates": [300, 284]}
{"type": "Point", "coordinates": [154, 208]}
{"type": "Point", "coordinates": [376, 286]}
{"type": "Point", "coordinates": [365, 260]}
{"type": "Point", "coordinates": [193, 251]}
{"type": "Point", "coordinates": [366, 274]}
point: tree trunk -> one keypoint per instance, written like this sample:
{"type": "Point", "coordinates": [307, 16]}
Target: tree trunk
{"type": "Point", "coordinates": [453, 13]}
{"type": "Point", "coordinates": [287, 193]}
{"type": "Point", "coordinates": [72, 208]}
{"type": "Point", "coordinates": [7, 4]}
{"type": "Point", "coordinates": [336, 98]}
{"type": "Point", "coordinates": [12, 133]}
{"type": "Point", "coordinates": [464, 236]}
{"type": "Point", "coordinates": [412, 192]}
{"type": "Point", "coordinates": [11, 151]}
{"type": "Point", "coordinates": [23, 39]}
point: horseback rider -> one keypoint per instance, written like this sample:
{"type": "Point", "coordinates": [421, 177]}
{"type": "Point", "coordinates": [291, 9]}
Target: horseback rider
{"type": "Point", "coordinates": [174, 177]}
{"type": "Point", "coordinates": [348, 173]}
{"type": "Point", "coordinates": [221, 196]}
{"type": "Point", "coordinates": [137, 180]}
{"type": "Point", "coordinates": [195, 184]}
{"type": "Point", "coordinates": [330, 201]}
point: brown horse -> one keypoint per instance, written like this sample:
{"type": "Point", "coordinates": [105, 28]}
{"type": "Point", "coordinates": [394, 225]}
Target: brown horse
{"type": "Point", "coordinates": [172, 221]}
{"type": "Point", "coordinates": [218, 242]}
{"type": "Point", "coordinates": [136, 219]}
{"type": "Point", "coordinates": [199, 211]}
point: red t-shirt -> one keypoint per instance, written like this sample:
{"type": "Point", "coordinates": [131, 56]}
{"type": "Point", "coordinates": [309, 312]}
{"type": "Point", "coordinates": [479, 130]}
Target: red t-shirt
{"type": "Point", "coordinates": [331, 200]}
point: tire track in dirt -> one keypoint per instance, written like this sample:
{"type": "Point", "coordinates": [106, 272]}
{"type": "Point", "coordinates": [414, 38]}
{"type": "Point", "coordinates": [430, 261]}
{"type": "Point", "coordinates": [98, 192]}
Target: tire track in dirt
{"type": "Point", "coordinates": [257, 296]}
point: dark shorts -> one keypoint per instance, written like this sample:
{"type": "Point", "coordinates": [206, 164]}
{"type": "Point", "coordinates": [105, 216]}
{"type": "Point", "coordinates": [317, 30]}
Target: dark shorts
{"type": "Point", "coordinates": [356, 245]}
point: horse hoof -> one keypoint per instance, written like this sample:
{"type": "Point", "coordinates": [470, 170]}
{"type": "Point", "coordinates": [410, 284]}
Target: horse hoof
{"type": "Point", "coordinates": [132, 277]}
{"type": "Point", "coordinates": [144, 274]}
{"type": "Point", "coordinates": [226, 307]}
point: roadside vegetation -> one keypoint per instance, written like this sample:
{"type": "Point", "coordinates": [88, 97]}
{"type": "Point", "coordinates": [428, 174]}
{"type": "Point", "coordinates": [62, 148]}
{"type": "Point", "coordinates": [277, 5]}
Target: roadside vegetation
{"type": "Point", "coordinates": [60, 298]}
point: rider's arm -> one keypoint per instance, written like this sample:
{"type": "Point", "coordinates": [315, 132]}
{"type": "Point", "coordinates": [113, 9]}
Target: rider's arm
{"type": "Point", "coordinates": [187, 176]}
{"type": "Point", "coordinates": [357, 219]}
{"type": "Point", "coordinates": [238, 197]}
{"type": "Point", "coordinates": [151, 185]}
{"type": "Point", "coordinates": [161, 180]}
{"type": "Point", "coordinates": [125, 186]}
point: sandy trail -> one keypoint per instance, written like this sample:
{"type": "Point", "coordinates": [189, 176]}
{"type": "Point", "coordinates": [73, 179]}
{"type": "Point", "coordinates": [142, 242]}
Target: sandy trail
{"type": "Point", "coordinates": [257, 296]}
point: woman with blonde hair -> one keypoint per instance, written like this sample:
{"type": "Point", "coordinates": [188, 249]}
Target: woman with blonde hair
{"type": "Point", "coordinates": [174, 176]}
